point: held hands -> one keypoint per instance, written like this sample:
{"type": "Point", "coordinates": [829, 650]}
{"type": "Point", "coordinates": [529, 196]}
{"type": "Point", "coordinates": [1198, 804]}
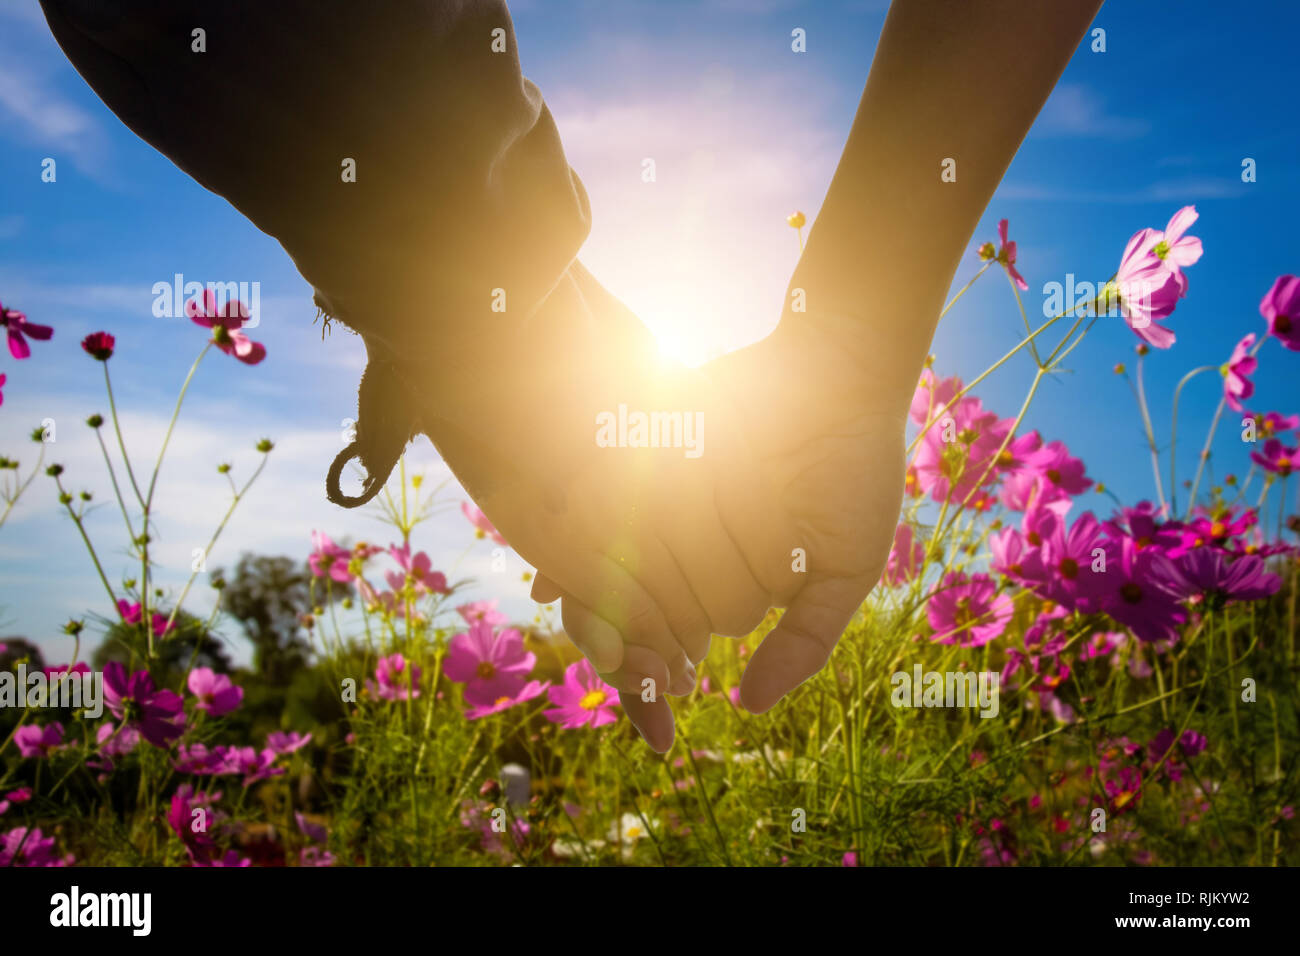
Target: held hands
{"type": "Point", "coordinates": [813, 460]}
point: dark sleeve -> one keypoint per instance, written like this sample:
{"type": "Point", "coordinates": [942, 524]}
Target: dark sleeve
{"type": "Point", "coordinates": [461, 182]}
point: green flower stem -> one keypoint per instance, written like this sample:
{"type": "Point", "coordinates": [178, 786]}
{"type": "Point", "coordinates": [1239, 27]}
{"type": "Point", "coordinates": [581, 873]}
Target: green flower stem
{"type": "Point", "coordinates": [117, 491]}
{"type": "Point", "coordinates": [234, 503]}
{"type": "Point", "coordinates": [1140, 391]}
{"type": "Point", "coordinates": [76, 519]}
{"type": "Point", "coordinates": [962, 291]}
{"type": "Point", "coordinates": [117, 428]}
{"type": "Point", "coordinates": [12, 500]}
{"type": "Point", "coordinates": [1205, 454]}
{"type": "Point", "coordinates": [1173, 437]}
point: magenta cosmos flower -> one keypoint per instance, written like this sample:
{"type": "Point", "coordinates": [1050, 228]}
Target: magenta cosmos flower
{"type": "Point", "coordinates": [968, 610]}
{"type": "Point", "coordinates": [482, 527]}
{"type": "Point", "coordinates": [157, 714]}
{"type": "Point", "coordinates": [39, 742]}
{"type": "Point", "coordinates": [19, 847]}
{"type": "Point", "coordinates": [905, 557]}
{"type": "Point", "coordinates": [216, 693]}
{"type": "Point", "coordinates": [194, 830]}
{"type": "Point", "coordinates": [279, 742]}
{"type": "Point", "coordinates": [1272, 424]}
{"type": "Point", "coordinates": [932, 396]}
{"type": "Point", "coordinates": [491, 666]}
{"type": "Point", "coordinates": [99, 346]}
{"type": "Point", "coordinates": [1144, 590]}
{"type": "Point", "coordinates": [1241, 363]}
{"type": "Point", "coordinates": [583, 700]}
{"type": "Point", "coordinates": [1005, 255]}
{"type": "Point", "coordinates": [17, 326]}
{"type": "Point", "coordinates": [1281, 309]}
{"type": "Point", "coordinates": [1217, 577]}
{"type": "Point", "coordinates": [327, 558]}
{"type": "Point", "coordinates": [394, 682]}
{"type": "Point", "coordinates": [132, 613]}
{"type": "Point", "coordinates": [957, 452]}
{"type": "Point", "coordinates": [419, 569]}
{"type": "Point", "coordinates": [226, 323]}
{"type": "Point", "coordinates": [1277, 458]}
{"type": "Point", "coordinates": [531, 690]}
{"type": "Point", "coordinates": [485, 611]}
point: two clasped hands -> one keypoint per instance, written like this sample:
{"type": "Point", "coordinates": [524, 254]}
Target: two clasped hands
{"type": "Point", "coordinates": [649, 552]}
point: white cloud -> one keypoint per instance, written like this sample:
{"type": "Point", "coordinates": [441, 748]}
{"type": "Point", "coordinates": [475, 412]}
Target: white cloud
{"type": "Point", "coordinates": [1074, 110]}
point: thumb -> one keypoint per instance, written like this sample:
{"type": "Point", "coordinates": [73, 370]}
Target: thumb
{"type": "Point", "coordinates": [545, 591]}
{"type": "Point", "coordinates": [801, 643]}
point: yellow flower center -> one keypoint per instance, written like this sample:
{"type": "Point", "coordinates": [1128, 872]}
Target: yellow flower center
{"type": "Point", "coordinates": [592, 699]}
{"type": "Point", "coordinates": [485, 670]}
{"type": "Point", "coordinates": [501, 701]}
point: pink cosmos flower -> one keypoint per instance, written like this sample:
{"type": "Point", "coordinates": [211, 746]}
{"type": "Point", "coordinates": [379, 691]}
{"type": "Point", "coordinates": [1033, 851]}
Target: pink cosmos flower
{"type": "Point", "coordinates": [226, 323]}
{"type": "Point", "coordinates": [131, 614]}
{"type": "Point", "coordinates": [1144, 591]}
{"type": "Point", "coordinates": [328, 558]}
{"type": "Point", "coordinates": [39, 742]}
{"type": "Point", "coordinates": [19, 847]}
{"type": "Point", "coordinates": [157, 714]}
{"type": "Point", "coordinates": [485, 611]}
{"type": "Point", "coordinates": [1214, 575]}
{"type": "Point", "coordinates": [419, 569]}
{"type": "Point", "coordinates": [1214, 529]}
{"type": "Point", "coordinates": [958, 450]}
{"type": "Point", "coordinates": [21, 795]}
{"type": "Point", "coordinates": [1175, 250]}
{"type": "Point", "coordinates": [194, 829]}
{"type": "Point", "coordinates": [583, 700]}
{"type": "Point", "coordinates": [281, 743]}
{"type": "Point", "coordinates": [1281, 309]}
{"type": "Point", "coordinates": [1277, 458]}
{"type": "Point", "coordinates": [3, 379]}
{"type": "Point", "coordinates": [932, 396]}
{"type": "Point", "coordinates": [530, 691]}
{"type": "Point", "coordinates": [255, 765]}
{"type": "Point", "coordinates": [483, 527]}
{"type": "Point", "coordinates": [315, 856]}
{"type": "Point", "coordinates": [312, 831]}
{"type": "Point", "coordinates": [17, 326]}
{"type": "Point", "coordinates": [1145, 290]}
{"type": "Point", "coordinates": [216, 693]}
{"type": "Point", "coordinates": [1272, 424]}
{"type": "Point", "coordinates": [1068, 557]}
{"type": "Point", "coordinates": [905, 558]}
{"type": "Point", "coordinates": [197, 759]}
{"type": "Point", "coordinates": [1064, 475]}
{"type": "Point", "coordinates": [1142, 523]}
{"type": "Point", "coordinates": [394, 683]}
{"type": "Point", "coordinates": [230, 859]}
{"type": "Point", "coordinates": [1005, 255]}
{"type": "Point", "coordinates": [967, 610]}
{"type": "Point", "coordinates": [1241, 363]}
{"type": "Point", "coordinates": [491, 666]}
{"type": "Point", "coordinates": [113, 742]}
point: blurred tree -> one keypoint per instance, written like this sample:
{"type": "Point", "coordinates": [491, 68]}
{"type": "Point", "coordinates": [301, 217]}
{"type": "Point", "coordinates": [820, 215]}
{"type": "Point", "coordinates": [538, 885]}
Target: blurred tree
{"type": "Point", "coordinates": [268, 595]}
{"type": "Point", "coordinates": [16, 648]}
{"type": "Point", "coordinates": [188, 641]}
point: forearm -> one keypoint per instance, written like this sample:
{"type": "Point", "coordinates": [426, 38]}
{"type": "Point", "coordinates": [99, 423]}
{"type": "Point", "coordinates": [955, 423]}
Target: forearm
{"type": "Point", "coordinates": [951, 80]}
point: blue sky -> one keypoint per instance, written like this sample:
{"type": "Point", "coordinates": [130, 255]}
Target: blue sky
{"type": "Point", "coordinates": [743, 131]}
